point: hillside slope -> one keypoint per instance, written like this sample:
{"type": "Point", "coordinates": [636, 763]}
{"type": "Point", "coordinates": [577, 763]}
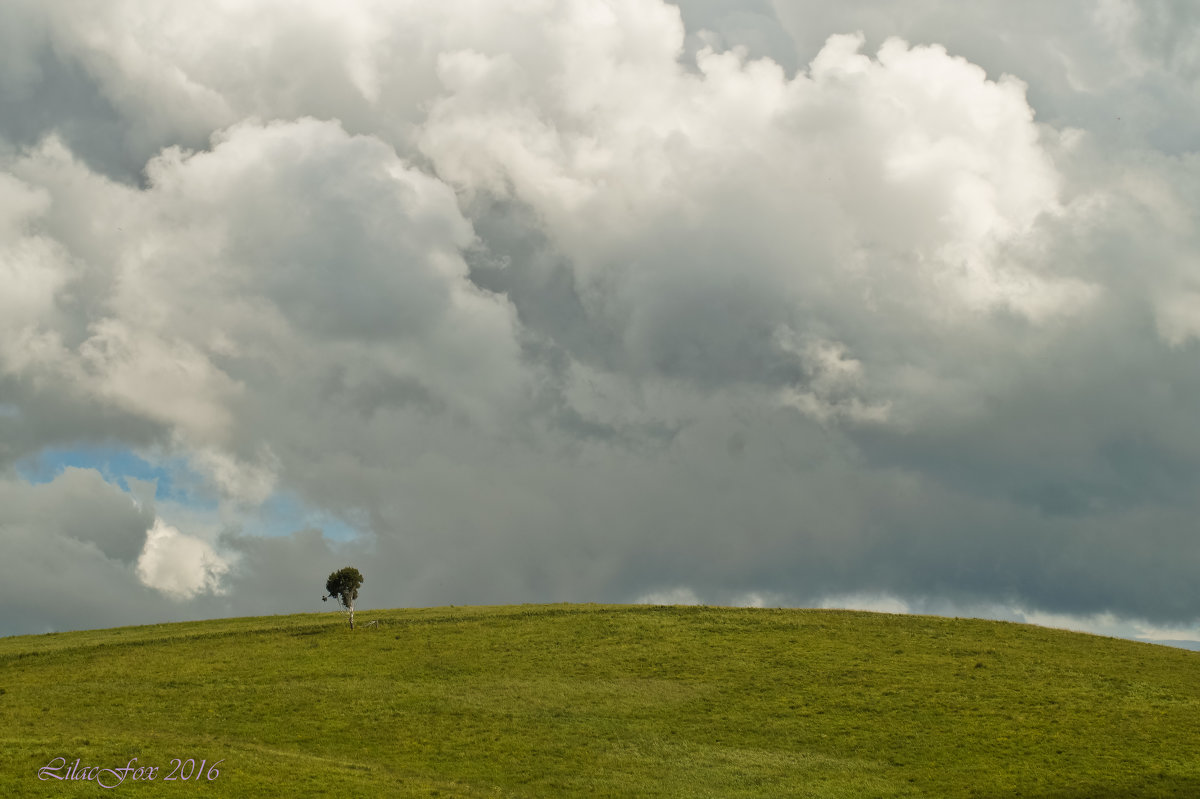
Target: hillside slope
{"type": "Point", "coordinates": [585, 700]}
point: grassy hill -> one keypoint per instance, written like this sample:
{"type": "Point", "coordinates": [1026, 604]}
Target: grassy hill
{"type": "Point", "coordinates": [584, 700]}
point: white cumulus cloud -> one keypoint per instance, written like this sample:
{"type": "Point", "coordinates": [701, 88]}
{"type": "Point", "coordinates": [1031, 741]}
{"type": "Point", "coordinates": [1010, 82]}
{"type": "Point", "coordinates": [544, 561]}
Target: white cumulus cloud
{"type": "Point", "coordinates": [180, 566]}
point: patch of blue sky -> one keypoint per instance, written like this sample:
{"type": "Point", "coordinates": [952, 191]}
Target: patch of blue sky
{"type": "Point", "coordinates": [174, 480]}
{"type": "Point", "coordinates": [178, 484]}
{"type": "Point", "coordinates": [284, 513]}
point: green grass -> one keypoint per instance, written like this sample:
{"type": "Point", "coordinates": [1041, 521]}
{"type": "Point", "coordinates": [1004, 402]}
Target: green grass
{"type": "Point", "coordinates": [585, 700]}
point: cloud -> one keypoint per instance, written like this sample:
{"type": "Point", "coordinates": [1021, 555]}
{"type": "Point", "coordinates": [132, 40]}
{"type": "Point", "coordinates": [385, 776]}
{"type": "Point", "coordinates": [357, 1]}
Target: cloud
{"type": "Point", "coordinates": [70, 549]}
{"type": "Point", "coordinates": [79, 505]}
{"type": "Point", "coordinates": [213, 299]}
{"type": "Point", "coordinates": [672, 596]}
{"type": "Point", "coordinates": [178, 565]}
{"type": "Point", "coordinates": [581, 300]}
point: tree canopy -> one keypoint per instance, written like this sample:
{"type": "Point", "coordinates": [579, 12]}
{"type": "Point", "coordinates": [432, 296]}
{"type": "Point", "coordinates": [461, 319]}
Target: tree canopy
{"type": "Point", "coordinates": [343, 586]}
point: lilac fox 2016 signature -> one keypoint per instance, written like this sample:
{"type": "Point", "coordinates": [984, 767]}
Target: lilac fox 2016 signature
{"type": "Point", "coordinates": [184, 770]}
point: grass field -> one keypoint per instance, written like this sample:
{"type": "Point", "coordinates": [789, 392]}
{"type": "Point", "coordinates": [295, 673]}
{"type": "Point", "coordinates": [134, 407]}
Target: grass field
{"type": "Point", "coordinates": [585, 700]}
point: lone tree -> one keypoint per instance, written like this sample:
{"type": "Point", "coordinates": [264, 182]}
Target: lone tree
{"type": "Point", "coordinates": [343, 586]}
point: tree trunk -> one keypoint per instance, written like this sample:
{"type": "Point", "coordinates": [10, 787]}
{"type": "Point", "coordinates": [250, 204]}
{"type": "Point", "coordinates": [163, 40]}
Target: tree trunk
{"type": "Point", "coordinates": [351, 615]}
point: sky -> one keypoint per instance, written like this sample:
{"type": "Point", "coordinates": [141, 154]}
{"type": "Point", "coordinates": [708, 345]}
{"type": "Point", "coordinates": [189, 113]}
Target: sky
{"type": "Point", "coordinates": [791, 303]}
